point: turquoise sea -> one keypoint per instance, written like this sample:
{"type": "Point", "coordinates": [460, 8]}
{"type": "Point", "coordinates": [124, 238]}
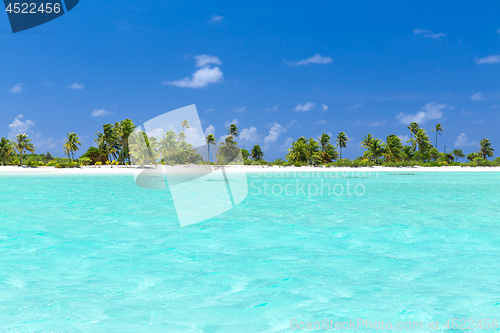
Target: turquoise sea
{"type": "Point", "coordinates": [96, 253]}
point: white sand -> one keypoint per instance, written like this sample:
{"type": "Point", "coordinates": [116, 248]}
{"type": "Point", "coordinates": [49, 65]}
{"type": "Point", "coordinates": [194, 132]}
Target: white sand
{"type": "Point", "coordinates": [117, 170]}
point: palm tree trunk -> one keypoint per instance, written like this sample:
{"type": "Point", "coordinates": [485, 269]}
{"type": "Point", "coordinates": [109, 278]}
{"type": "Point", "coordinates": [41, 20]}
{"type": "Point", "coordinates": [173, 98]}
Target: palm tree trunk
{"type": "Point", "coordinates": [20, 157]}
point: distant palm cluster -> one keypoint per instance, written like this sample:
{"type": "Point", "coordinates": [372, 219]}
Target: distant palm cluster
{"type": "Point", "coordinates": [419, 150]}
{"type": "Point", "coordinates": [122, 143]}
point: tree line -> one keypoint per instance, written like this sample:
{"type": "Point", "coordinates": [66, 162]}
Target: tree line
{"type": "Point", "coordinates": [122, 143]}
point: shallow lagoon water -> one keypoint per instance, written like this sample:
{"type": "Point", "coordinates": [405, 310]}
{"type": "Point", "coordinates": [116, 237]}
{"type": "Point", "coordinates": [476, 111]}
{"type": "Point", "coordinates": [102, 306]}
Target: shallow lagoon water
{"type": "Point", "coordinates": [96, 253]}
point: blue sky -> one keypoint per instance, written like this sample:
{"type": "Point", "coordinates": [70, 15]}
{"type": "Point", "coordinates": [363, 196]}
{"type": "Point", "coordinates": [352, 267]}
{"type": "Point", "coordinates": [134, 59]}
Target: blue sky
{"type": "Point", "coordinates": [281, 69]}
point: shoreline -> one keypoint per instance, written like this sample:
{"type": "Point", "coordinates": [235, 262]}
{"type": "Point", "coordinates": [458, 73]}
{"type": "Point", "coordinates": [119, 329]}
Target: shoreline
{"type": "Point", "coordinates": [123, 170]}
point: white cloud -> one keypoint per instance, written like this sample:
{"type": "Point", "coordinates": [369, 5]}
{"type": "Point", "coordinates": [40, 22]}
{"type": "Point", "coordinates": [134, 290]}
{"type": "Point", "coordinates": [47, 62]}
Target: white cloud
{"type": "Point", "coordinates": [477, 96]}
{"type": "Point", "coordinates": [100, 113]}
{"type": "Point", "coordinates": [249, 135]}
{"type": "Point", "coordinates": [306, 107]}
{"type": "Point", "coordinates": [241, 110]}
{"type": "Point", "coordinates": [203, 60]}
{"type": "Point", "coordinates": [216, 19]}
{"type": "Point", "coordinates": [291, 123]}
{"type": "Point", "coordinates": [420, 31]}
{"type": "Point", "coordinates": [492, 59]}
{"type": "Point", "coordinates": [378, 123]}
{"type": "Point", "coordinates": [18, 126]}
{"type": "Point", "coordinates": [355, 106]}
{"type": "Point", "coordinates": [200, 79]}
{"type": "Point", "coordinates": [324, 106]}
{"type": "Point", "coordinates": [286, 145]}
{"type": "Point", "coordinates": [428, 33]}
{"type": "Point", "coordinates": [321, 122]}
{"type": "Point", "coordinates": [76, 86]}
{"type": "Point", "coordinates": [479, 121]}
{"type": "Point", "coordinates": [209, 110]}
{"type": "Point", "coordinates": [465, 113]}
{"type": "Point", "coordinates": [209, 130]}
{"type": "Point", "coordinates": [156, 133]}
{"type": "Point", "coordinates": [228, 123]}
{"type": "Point", "coordinates": [40, 142]}
{"type": "Point", "coordinates": [316, 59]}
{"type": "Point", "coordinates": [273, 109]}
{"type": "Point", "coordinates": [17, 88]}
{"type": "Point", "coordinates": [274, 133]}
{"type": "Point", "coordinates": [438, 35]}
{"type": "Point", "coordinates": [195, 138]}
{"type": "Point", "coordinates": [431, 111]}
{"type": "Point", "coordinates": [498, 30]}
{"type": "Point", "coordinates": [403, 138]}
{"type": "Point", "coordinates": [463, 141]}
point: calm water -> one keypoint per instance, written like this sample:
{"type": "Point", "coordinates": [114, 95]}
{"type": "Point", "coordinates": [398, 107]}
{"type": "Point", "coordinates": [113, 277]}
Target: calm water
{"type": "Point", "coordinates": [98, 254]}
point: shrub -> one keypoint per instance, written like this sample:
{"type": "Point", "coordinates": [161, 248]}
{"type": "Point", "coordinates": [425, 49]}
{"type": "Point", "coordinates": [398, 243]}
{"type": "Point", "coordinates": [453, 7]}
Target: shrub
{"type": "Point", "coordinates": [478, 161]}
{"type": "Point", "coordinates": [84, 160]}
{"type": "Point", "coordinates": [432, 164]}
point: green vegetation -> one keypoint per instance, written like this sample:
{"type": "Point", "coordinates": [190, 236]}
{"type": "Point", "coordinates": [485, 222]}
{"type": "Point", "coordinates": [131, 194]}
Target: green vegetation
{"type": "Point", "coordinates": [122, 144]}
{"type": "Point", "coordinates": [22, 144]}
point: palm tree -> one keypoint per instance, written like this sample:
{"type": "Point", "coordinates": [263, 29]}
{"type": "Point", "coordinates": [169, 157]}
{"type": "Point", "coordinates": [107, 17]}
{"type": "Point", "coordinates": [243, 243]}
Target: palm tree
{"type": "Point", "coordinates": [67, 150]}
{"type": "Point", "coordinates": [126, 128]}
{"type": "Point", "coordinates": [298, 151]}
{"type": "Point", "coordinates": [233, 130]}
{"type": "Point", "coordinates": [142, 149]}
{"type": "Point", "coordinates": [186, 153]}
{"type": "Point", "coordinates": [324, 140]}
{"type": "Point", "coordinates": [421, 140]}
{"type": "Point", "coordinates": [458, 154]}
{"type": "Point", "coordinates": [375, 150]}
{"type": "Point", "coordinates": [257, 153]}
{"type": "Point", "coordinates": [185, 124]}
{"type": "Point", "coordinates": [438, 129]}
{"type": "Point", "coordinates": [71, 145]}
{"type": "Point", "coordinates": [167, 145]}
{"type": "Point", "coordinates": [6, 149]}
{"type": "Point", "coordinates": [228, 151]}
{"type": "Point", "coordinates": [23, 144]}
{"type": "Point", "coordinates": [366, 141]}
{"type": "Point", "coordinates": [313, 151]}
{"type": "Point", "coordinates": [331, 153]}
{"type": "Point", "coordinates": [182, 136]}
{"type": "Point", "coordinates": [472, 156]}
{"type": "Point", "coordinates": [413, 127]}
{"type": "Point", "coordinates": [408, 153]}
{"type": "Point", "coordinates": [342, 142]}
{"type": "Point", "coordinates": [210, 140]}
{"type": "Point", "coordinates": [393, 149]}
{"type": "Point", "coordinates": [485, 149]}
{"type": "Point", "coordinates": [107, 141]}
{"type": "Point", "coordinates": [434, 153]}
